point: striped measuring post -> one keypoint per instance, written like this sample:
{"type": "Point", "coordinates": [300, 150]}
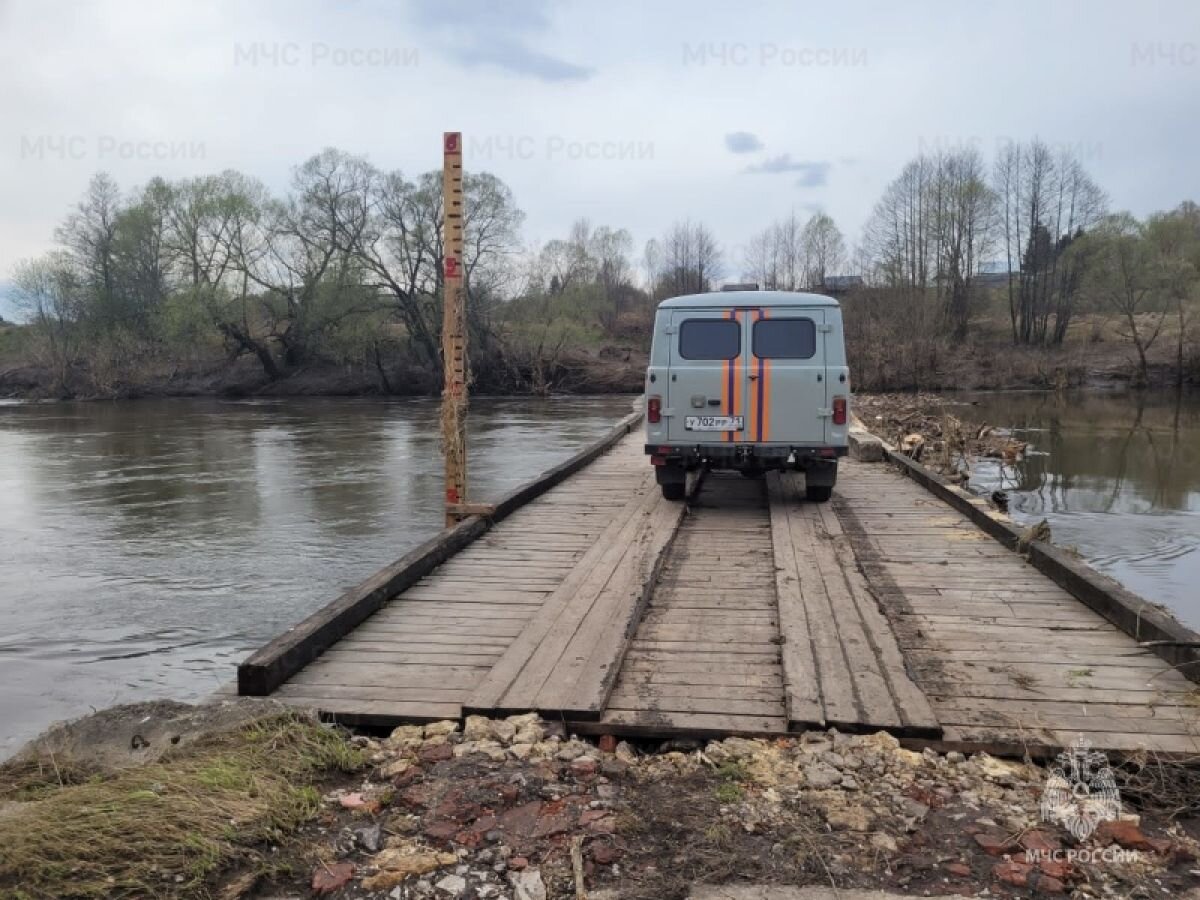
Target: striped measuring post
{"type": "Point", "coordinates": [454, 330]}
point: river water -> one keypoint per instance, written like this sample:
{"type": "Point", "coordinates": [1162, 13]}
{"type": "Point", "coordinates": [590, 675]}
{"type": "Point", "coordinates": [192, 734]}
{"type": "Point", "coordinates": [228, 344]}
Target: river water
{"type": "Point", "coordinates": [147, 546]}
{"type": "Point", "coordinates": [1115, 475]}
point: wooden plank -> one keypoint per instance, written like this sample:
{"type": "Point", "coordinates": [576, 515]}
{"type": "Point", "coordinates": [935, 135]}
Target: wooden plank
{"type": "Point", "coordinates": [510, 673]}
{"type": "Point", "coordinates": [916, 713]}
{"type": "Point", "coordinates": [802, 683]}
{"type": "Point", "coordinates": [807, 619]}
{"type": "Point", "coordinates": [586, 673]}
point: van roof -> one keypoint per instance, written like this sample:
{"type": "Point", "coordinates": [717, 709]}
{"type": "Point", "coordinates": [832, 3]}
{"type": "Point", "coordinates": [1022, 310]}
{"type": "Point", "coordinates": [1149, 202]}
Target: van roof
{"type": "Point", "coordinates": [723, 299]}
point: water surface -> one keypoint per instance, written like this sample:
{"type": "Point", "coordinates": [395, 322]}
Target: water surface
{"type": "Point", "coordinates": [147, 546]}
{"type": "Point", "coordinates": [1117, 477]}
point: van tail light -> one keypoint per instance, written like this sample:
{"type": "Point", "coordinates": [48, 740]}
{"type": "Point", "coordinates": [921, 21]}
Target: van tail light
{"type": "Point", "coordinates": [839, 410]}
{"type": "Point", "coordinates": [654, 409]}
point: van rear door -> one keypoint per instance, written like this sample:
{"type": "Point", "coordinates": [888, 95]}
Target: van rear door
{"type": "Point", "coordinates": [789, 389]}
{"type": "Point", "coordinates": [706, 392]}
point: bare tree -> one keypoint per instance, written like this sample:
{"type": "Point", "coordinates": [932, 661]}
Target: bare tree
{"type": "Point", "coordinates": [692, 258]}
{"type": "Point", "coordinates": [51, 291]}
{"type": "Point", "coordinates": [1125, 276]}
{"type": "Point", "coordinates": [824, 249]}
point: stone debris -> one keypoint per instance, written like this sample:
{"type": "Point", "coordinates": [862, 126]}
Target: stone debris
{"type": "Point", "coordinates": [491, 809]}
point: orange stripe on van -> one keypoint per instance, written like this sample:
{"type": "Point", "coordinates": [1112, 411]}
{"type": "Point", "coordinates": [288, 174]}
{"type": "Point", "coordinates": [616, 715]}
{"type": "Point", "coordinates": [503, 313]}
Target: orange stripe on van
{"type": "Point", "coordinates": [764, 376]}
{"type": "Point", "coordinates": [729, 383]}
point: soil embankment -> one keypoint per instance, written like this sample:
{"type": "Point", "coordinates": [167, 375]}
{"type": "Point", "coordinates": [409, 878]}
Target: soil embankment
{"type": "Point", "coordinates": [278, 805]}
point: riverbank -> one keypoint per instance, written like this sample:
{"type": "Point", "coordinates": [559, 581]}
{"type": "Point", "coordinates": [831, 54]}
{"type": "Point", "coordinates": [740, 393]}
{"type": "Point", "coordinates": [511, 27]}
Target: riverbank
{"type": "Point", "coordinates": [249, 802]}
{"type": "Point", "coordinates": [604, 370]}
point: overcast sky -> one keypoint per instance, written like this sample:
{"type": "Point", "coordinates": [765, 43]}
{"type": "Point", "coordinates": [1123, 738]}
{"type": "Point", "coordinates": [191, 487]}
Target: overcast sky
{"type": "Point", "coordinates": [632, 114]}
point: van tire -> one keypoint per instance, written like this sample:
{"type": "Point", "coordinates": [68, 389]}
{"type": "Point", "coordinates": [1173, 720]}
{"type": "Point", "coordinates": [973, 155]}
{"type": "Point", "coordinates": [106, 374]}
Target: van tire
{"type": "Point", "coordinates": [818, 493]}
{"type": "Point", "coordinates": [674, 490]}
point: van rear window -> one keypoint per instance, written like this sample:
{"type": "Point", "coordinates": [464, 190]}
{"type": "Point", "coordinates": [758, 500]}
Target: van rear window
{"type": "Point", "coordinates": [785, 339]}
{"type": "Point", "coordinates": [710, 339]}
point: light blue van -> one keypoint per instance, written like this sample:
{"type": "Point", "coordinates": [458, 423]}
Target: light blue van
{"type": "Point", "coordinates": [748, 380]}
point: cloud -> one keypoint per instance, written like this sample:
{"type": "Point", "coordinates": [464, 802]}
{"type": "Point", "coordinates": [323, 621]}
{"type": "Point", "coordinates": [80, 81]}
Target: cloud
{"type": "Point", "coordinates": [485, 33]}
{"type": "Point", "coordinates": [812, 174]}
{"type": "Point", "coordinates": [515, 57]}
{"type": "Point", "coordinates": [743, 142]}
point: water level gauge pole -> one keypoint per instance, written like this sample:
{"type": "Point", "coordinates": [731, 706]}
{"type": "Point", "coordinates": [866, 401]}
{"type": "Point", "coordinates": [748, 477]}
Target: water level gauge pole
{"type": "Point", "coordinates": [454, 332]}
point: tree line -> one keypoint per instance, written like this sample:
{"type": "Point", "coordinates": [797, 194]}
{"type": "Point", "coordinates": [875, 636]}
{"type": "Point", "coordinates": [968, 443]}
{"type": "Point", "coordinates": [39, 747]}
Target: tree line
{"type": "Point", "coordinates": [344, 268]}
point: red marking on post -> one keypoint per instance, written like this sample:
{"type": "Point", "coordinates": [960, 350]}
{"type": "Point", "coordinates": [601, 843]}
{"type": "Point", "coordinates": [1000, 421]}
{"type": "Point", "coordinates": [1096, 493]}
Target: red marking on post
{"type": "Point", "coordinates": [451, 495]}
{"type": "Point", "coordinates": [451, 267]}
{"type": "Point", "coordinates": [452, 141]}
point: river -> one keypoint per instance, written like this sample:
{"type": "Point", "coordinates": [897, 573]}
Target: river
{"type": "Point", "coordinates": [1115, 475]}
{"type": "Point", "coordinates": [147, 546]}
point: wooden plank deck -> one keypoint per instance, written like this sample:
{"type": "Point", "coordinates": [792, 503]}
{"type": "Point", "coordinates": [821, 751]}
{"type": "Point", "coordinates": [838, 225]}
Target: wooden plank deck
{"type": "Point", "coordinates": [1005, 656]}
{"type": "Point", "coordinates": [752, 612]}
{"type": "Point", "coordinates": [429, 650]}
{"type": "Point", "coordinates": [706, 656]}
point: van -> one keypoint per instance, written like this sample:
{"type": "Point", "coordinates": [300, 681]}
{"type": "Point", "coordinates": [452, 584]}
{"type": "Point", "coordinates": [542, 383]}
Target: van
{"type": "Point", "coordinates": [748, 381]}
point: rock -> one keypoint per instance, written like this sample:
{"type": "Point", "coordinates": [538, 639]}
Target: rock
{"type": "Point", "coordinates": [625, 753]}
{"type": "Point", "coordinates": [529, 728]}
{"type": "Point", "coordinates": [370, 838]}
{"type": "Point", "coordinates": [407, 735]}
{"type": "Point", "coordinates": [353, 801]}
{"type": "Point", "coordinates": [884, 842]}
{"type": "Point", "coordinates": [399, 863]}
{"type": "Point", "coordinates": [998, 769]}
{"type": "Point", "coordinates": [1048, 884]}
{"type": "Point", "coordinates": [528, 885]}
{"type": "Point", "coordinates": [820, 775]}
{"type": "Point", "coordinates": [1039, 842]}
{"type": "Point", "coordinates": [1127, 833]}
{"type": "Point", "coordinates": [440, 729]}
{"type": "Point", "coordinates": [584, 767]}
{"type": "Point", "coordinates": [440, 752]}
{"type": "Point", "coordinates": [849, 818]}
{"type": "Point", "coordinates": [521, 751]}
{"type": "Point", "coordinates": [849, 783]}
{"type": "Point", "coordinates": [993, 844]}
{"type": "Point", "coordinates": [395, 768]}
{"type": "Point", "coordinates": [517, 863]}
{"type": "Point", "coordinates": [477, 728]}
{"type": "Point", "coordinates": [454, 885]}
{"type": "Point", "coordinates": [962, 870]}
{"type": "Point", "coordinates": [572, 750]}
{"type": "Point", "coordinates": [503, 731]}
{"type": "Point", "coordinates": [1012, 872]}
{"type": "Point", "coordinates": [329, 878]}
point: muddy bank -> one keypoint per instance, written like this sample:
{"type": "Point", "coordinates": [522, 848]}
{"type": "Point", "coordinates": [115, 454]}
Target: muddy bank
{"type": "Point", "coordinates": [516, 809]}
{"type": "Point", "coordinates": [615, 370]}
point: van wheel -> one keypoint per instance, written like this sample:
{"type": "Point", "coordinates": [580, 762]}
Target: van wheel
{"type": "Point", "coordinates": [674, 490]}
{"type": "Point", "coordinates": [818, 493]}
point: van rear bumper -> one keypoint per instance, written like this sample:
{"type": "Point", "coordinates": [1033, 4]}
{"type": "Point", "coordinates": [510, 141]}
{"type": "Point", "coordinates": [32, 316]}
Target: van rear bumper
{"type": "Point", "coordinates": [740, 454]}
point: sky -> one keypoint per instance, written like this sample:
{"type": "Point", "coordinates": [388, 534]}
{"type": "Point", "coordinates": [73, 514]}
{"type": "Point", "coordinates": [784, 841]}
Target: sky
{"type": "Point", "coordinates": [631, 114]}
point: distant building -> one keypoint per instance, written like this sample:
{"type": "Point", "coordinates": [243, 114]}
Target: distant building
{"type": "Point", "coordinates": [992, 274]}
{"type": "Point", "coordinates": [841, 284]}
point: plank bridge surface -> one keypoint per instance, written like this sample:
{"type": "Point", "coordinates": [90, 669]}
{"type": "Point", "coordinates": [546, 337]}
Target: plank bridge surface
{"type": "Point", "coordinates": [750, 611]}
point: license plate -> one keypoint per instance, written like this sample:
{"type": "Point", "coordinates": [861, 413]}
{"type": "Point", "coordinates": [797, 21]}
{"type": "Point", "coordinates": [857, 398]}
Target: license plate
{"type": "Point", "coordinates": [713, 423]}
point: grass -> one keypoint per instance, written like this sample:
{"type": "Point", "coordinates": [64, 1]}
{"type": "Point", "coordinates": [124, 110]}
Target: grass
{"type": "Point", "coordinates": [164, 829]}
{"type": "Point", "coordinates": [732, 774]}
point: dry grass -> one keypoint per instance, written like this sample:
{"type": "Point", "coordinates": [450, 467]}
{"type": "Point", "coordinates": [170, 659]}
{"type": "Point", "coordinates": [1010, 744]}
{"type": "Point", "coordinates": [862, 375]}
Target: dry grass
{"type": "Point", "coordinates": [164, 829]}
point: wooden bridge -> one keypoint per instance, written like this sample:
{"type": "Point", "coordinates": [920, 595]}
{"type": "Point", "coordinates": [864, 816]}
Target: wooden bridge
{"type": "Point", "coordinates": [901, 605]}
